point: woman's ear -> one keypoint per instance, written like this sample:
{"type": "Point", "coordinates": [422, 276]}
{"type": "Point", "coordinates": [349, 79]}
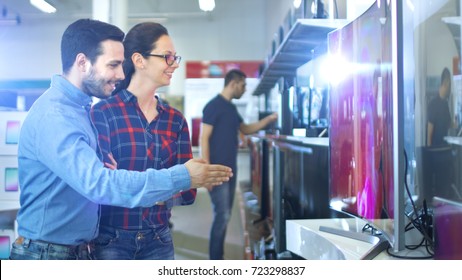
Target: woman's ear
{"type": "Point", "coordinates": [138, 60]}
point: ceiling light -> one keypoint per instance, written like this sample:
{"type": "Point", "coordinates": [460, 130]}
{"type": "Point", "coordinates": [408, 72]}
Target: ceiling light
{"type": "Point", "coordinates": [43, 6]}
{"type": "Point", "coordinates": [207, 5]}
{"type": "Point", "coordinates": [297, 3]}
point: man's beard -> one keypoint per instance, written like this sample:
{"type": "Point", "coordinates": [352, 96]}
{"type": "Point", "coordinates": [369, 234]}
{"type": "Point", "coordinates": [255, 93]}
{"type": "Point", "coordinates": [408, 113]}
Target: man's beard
{"type": "Point", "coordinates": [94, 86]}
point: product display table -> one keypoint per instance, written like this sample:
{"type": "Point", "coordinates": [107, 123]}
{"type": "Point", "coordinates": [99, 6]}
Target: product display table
{"type": "Point", "coordinates": [308, 241]}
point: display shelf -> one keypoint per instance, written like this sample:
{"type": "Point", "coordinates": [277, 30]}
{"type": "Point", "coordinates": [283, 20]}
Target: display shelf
{"type": "Point", "coordinates": [296, 49]}
{"type": "Point", "coordinates": [453, 140]}
{"type": "Point", "coordinates": [8, 205]}
{"type": "Point", "coordinates": [311, 242]}
{"type": "Point", "coordinates": [300, 140]}
{"type": "Point", "coordinates": [452, 20]}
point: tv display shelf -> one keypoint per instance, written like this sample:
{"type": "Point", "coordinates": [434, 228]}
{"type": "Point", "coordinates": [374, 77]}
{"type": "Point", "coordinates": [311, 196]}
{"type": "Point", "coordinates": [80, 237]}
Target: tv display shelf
{"type": "Point", "coordinates": [309, 242]}
{"type": "Point", "coordinates": [454, 140]}
{"type": "Point", "coordinates": [304, 36]}
{"type": "Point", "coordinates": [8, 205]}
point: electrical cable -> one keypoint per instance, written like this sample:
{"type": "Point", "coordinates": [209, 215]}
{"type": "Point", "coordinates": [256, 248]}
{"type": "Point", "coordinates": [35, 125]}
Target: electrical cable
{"type": "Point", "coordinates": [420, 225]}
{"type": "Point", "coordinates": [420, 222]}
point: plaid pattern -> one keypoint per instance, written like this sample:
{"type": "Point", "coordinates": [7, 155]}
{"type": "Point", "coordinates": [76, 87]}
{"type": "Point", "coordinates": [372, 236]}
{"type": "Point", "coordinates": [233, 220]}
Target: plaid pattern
{"type": "Point", "coordinates": [137, 145]}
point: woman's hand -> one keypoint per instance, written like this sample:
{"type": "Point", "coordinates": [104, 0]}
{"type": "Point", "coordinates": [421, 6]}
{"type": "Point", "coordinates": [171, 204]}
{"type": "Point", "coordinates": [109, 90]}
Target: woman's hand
{"type": "Point", "coordinates": [113, 164]}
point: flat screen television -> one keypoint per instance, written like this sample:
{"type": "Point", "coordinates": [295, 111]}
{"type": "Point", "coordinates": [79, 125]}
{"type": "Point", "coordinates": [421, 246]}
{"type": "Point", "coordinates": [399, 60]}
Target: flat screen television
{"type": "Point", "coordinates": [9, 183]}
{"type": "Point", "coordinates": [10, 126]}
{"type": "Point", "coordinates": [315, 113]}
{"type": "Point", "coordinates": [6, 239]}
{"type": "Point", "coordinates": [300, 186]}
{"type": "Point", "coordinates": [261, 177]}
{"type": "Point", "coordinates": [361, 119]}
{"type": "Point", "coordinates": [257, 176]}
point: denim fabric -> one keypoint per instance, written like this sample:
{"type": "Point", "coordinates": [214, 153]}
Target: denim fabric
{"type": "Point", "coordinates": [38, 250]}
{"type": "Point", "coordinates": [118, 244]}
{"type": "Point", "coordinates": [222, 197]}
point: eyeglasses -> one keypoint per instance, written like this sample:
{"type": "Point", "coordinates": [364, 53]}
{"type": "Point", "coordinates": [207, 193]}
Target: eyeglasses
{"type": "Point", "coordinates": [169, 58]}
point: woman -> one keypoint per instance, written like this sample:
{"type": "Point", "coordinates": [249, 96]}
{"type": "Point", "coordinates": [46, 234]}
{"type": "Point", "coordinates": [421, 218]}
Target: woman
{"type": "Point", "coordinates": [140, 131]}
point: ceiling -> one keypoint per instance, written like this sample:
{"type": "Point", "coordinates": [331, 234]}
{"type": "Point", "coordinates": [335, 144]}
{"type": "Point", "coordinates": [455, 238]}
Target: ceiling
{"type": "Point", "coordinates": [137, 9]}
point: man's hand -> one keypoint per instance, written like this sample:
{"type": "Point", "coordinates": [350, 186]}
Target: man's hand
{"type": "Point", "coordinates": [272, 118]}
{"type": "Point", "coordinates": [207, 175]}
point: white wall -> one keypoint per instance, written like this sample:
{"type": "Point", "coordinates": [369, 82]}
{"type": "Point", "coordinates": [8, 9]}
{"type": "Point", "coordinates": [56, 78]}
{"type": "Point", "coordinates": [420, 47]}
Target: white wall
{"type": "Point", "coordinates": [236, 30]}
{"type": "Point", "coordinates": [273, 20]}
{"type": "Point", "coordinates": [31, 50]}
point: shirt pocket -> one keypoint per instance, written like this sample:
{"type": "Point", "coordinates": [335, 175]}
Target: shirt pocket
{"type": "Point", "coordinates": [167, 151]}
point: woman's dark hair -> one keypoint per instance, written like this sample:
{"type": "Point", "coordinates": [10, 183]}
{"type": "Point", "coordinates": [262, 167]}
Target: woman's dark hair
{"type": "Point", "coordinates": [85, 36]}
{"type": "Point", "coordinates": [141, 39]}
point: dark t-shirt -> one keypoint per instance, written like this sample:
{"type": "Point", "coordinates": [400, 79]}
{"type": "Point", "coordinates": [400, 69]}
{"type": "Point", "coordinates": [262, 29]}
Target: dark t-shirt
{"type": "Point", "coordinates": [225, 119]}
{"type": "Point", "coordinates": [439, 116]}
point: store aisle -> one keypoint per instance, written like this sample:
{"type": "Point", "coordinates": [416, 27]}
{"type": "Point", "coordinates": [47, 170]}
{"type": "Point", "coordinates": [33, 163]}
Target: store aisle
{"type": "Point", "coordinates": [191, 226]}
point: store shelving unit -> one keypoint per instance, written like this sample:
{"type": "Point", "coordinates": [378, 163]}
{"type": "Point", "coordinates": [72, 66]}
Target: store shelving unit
{"type": "Point", "coordinates": [305, 37]}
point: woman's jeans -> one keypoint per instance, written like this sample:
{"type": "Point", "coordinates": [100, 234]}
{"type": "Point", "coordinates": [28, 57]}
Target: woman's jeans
{"type": "Point", "coordinates": [222, 197]}
{"type": "Point", "coordinates": [119, 244]}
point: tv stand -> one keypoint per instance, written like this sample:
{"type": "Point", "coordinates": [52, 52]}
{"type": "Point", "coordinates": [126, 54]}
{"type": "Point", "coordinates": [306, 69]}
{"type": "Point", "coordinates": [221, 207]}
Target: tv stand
{"type": "Point", "coordinates": [334, 239]}
{"type": "Point", "coordinates": [379, 242]}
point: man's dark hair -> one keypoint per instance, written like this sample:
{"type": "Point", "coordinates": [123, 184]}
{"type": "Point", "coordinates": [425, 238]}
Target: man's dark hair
{"type": "Point", "coordinates": [446, 75]}
{"type": "Point", "coordinates": [85, 36]}
{"type": "Point", "coordinates": [234, 74]}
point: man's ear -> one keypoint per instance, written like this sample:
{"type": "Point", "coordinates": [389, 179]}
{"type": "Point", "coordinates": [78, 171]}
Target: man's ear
{"type": "Point", "coordinates": [233, 83]}
{"type": "Point", "coordinates": [81, 62]}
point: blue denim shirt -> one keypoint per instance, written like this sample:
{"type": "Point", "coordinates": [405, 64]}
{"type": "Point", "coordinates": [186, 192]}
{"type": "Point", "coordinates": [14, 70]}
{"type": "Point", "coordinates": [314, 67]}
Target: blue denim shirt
{"type": "Point", "coordinates": [62, 180]}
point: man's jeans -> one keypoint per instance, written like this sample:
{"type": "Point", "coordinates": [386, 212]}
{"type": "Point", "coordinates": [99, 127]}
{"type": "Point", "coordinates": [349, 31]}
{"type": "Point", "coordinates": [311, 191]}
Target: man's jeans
{"type": "Point", "coordinates": [118, 244]}
{"type": "Point", "coordinates": [27, 249]}
{"type": "Point", "coordinates": [222, 197]}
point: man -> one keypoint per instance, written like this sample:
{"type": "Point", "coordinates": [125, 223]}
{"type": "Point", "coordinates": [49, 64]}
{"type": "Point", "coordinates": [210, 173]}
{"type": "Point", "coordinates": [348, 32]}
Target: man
{"type": "Point", "coordinates": [221, 124]}
{"type": "Point", "coordinates": [62, 179]}
{"type": "Point", "coordinates": [439, 117]}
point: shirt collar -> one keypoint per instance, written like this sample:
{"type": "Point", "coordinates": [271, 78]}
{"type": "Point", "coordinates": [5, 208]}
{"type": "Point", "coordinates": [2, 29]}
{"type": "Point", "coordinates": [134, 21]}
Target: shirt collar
{"type": "Point", "coordinates": [75, 94]}
{"type": "Point", "coordinates": [127, 97]}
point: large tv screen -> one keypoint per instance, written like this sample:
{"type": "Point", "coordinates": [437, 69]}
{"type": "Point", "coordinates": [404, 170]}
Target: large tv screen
{"type": "Point", "coordinates": [361, 116]}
